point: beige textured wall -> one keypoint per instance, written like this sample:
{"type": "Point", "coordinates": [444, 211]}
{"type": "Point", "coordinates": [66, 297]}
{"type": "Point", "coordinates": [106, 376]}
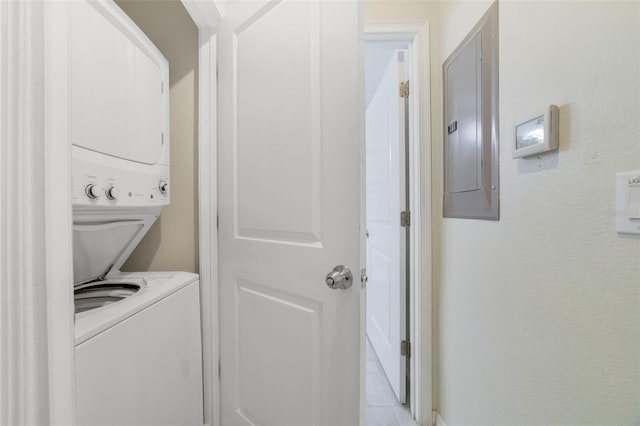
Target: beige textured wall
{"type": "Point", "coordinates": [172, 242]}
{"type": "Point", "coordinates": [537, 316]}
{"type": "Point", "coordinates": [539, 313]}
{"type": "Point", "coordinates": [399, 10]}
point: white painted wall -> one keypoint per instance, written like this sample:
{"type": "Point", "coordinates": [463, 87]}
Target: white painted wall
{"type": "Point", "coordinates": [539, 314]}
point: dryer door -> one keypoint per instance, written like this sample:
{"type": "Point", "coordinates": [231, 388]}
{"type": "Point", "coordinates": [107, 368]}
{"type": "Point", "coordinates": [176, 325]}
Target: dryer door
{"type": "Point", "coordinates": [119, 85]}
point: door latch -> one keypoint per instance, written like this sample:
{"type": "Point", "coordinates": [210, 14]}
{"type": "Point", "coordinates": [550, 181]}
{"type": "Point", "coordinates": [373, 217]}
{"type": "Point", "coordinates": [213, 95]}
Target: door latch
{"type": "Point", "coordinates": [363, 278]}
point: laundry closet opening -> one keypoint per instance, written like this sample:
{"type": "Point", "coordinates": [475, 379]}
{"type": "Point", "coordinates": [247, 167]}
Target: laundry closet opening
{"type": "Point", "coordinates": [388, 138]}
{"type": "Point", "coordinates": [132, 75]}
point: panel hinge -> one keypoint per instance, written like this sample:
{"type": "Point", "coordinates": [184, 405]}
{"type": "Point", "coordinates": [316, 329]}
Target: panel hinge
{"type": "Point", "coordinates": [405, 218]}
{"type": "Point", "coordinates": [405, 348]}
{"type": "Point", "coordinates": [161, 87]}
{"type": "Point", "coordinates": [363, 278]}
{"type": "Point", "coordinates": [162, 138]}
{"type": "Point", "coordinates": [404, 89]}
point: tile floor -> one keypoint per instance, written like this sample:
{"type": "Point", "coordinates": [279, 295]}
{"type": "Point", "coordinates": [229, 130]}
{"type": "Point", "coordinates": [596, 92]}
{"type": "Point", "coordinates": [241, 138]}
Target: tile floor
{"type": "Point", "coordinates": [383, 409]}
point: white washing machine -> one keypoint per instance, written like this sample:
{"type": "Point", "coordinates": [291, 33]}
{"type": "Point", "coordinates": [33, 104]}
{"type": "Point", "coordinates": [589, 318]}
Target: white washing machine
{"type": "Point", "coordinates": [138, 339]}
{"type": "Point", "coordinates": [138, 360]}
{"type": "Point", "coordinates": [137, 335]}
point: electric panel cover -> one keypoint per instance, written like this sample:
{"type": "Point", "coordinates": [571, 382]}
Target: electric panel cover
{"type": "Point", "coordinates": [471, 172]}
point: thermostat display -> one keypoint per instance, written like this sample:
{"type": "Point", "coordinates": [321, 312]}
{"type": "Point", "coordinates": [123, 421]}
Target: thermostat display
{"type": "Point", "coordinates": [538, 135]}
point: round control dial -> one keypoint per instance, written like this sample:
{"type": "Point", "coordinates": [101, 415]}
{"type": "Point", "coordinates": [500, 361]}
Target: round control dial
{"type": "Point", "coordinates": [112, 193]}
{"type": "Point", "coordinates": [163, 187]}
{"type": "Point", "coordinates": [91, 190]}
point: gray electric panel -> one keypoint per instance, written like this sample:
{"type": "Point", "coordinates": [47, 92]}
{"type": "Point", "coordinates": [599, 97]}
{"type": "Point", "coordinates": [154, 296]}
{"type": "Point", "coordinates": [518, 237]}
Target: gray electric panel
{"type": "Point", "coordinates": [471, 151]}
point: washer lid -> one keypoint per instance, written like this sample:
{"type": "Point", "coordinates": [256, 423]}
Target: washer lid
{"type": "Point", "coordinates": [102, 246]}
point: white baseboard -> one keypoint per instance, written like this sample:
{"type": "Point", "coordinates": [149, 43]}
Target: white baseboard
{"type": "Point", "coordinates": [437, 419]}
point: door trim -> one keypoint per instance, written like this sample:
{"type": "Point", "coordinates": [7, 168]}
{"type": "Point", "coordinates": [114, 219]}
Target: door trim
{"type": "Point", "coordinates": [206, 15]}
{"type": "Point", "coordinates": [420, 363]}
{"type": "Point", "coordinates": [36, 347]}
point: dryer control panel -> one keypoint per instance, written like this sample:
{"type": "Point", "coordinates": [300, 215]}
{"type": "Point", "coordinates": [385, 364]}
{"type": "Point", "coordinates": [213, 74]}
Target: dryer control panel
{"type": "Point", "coordinates": [120, 184]}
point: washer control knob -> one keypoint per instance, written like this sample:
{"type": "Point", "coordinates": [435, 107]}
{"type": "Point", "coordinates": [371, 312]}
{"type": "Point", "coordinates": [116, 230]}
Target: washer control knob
{"type": "Point", "coordinates": [112, 193]}
{"type": "Point", "coordinates": [91, 190]}
{"type": "Point", "coordinates": [163, 187]}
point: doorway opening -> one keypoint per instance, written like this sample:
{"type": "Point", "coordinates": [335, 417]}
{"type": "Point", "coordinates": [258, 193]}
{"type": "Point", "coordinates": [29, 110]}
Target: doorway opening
{"type": "Point", "coordinates": [390, 134]}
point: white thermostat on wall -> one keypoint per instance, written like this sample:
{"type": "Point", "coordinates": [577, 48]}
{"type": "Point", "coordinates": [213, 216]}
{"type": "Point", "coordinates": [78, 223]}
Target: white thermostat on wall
{"type": "Point", "coordinates": [628, 202]}
{"type": "Point", "coordinates": [538, 135]}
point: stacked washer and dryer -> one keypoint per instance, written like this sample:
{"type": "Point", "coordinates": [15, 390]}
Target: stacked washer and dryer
{"type": "Point", "coordinates": [138, 340]}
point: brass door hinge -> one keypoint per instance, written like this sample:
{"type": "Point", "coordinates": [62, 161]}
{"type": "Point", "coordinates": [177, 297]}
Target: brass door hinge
{"type": "Point", "coordinates": [405, 348]}
{"type": "Point", "coordinates": [405, 218]}
{"type": "Point", "coordinates": [404, 89]}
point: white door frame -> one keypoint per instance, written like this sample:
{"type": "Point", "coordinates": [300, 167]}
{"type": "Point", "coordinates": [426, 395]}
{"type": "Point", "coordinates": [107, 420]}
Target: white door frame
{"type": "Point", "coordinates": [36, 340]}
{"type": "Point", "coordinates": [36, 352]}
{"type": "Point", "coordinates": [417, 34]}
{"type": "Point", "coordinates": [206, 14]}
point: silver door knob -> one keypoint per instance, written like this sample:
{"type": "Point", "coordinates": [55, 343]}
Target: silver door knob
{"type": "Point", "coordinates": [339, 278]}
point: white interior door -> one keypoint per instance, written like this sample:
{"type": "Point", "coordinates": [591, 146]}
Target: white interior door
{"type": "Point", "coordinates": [289, 211]}
{"type": "Point", "coordinates": [386, 290]}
